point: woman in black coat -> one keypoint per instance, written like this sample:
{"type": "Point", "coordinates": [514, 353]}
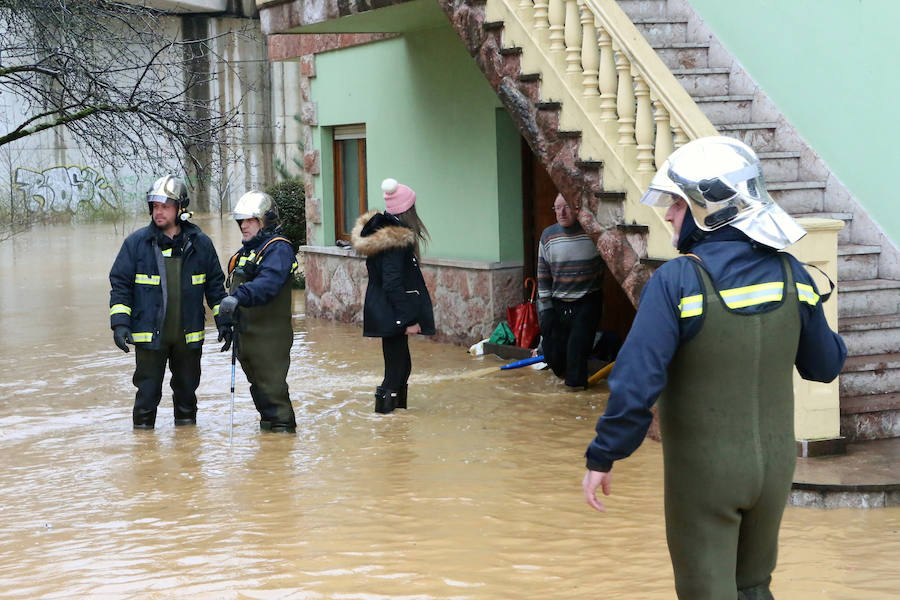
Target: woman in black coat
{"type": "Point", "coordinates": [397, 303]}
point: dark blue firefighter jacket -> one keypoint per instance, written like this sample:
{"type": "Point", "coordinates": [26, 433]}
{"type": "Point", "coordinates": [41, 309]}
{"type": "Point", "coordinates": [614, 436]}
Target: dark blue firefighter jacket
{"type": "Point", "coordinates": [138, 294]}
{"type": "Point", "coordinates": [667, 317]}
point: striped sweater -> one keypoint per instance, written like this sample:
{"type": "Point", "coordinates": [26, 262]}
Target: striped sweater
{"type": "Point", "coordinates": [569, 266]}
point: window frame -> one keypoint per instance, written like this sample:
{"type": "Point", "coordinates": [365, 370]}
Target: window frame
{"type": "Point", "coordinates": [341, 134]}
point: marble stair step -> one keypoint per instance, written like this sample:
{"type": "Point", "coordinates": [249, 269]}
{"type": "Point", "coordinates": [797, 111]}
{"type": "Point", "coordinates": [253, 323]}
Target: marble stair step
{"type": "Point", "coordinates": [877, 334]}
{"type": "Point", "coordinates": [868, 298]}
{"type": "Point", "coordinates": [870, 374]}
{"type": "Point", "coordinates": [857, 261]}
{"type": "Point", "coordinates": [871, 417]}
{"type": "Point", "coordinates": [661, 31]}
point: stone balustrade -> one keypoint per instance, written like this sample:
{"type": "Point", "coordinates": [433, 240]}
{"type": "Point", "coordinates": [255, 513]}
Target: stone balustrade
{"type": "Point", "coordinates": [633, 112]}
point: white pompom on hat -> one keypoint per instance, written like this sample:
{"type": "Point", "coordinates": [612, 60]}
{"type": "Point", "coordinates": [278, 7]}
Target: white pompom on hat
{"type": "Point", "coordinates": [398, 198]}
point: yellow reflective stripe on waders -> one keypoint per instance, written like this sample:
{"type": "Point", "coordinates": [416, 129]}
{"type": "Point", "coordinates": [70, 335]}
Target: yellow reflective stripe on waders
{"type": "Point", "coordinates": [167, 252]}
{"type": "Point", "coordinates": [691, 306]}
{"type": "Point", "coordinates": [142, 336]}
{"type": "Point", "coordinates": [196, 336]}
{"type": "Point", "coordinates": [119, 309]}
{"type": "Point", "coordinates": [146, 279]}
{"type": "Point", "coordinates": [216, 310]}
{"type": "Point", "coordinates": [806, 293]}
{"type": "Point", "coordinates": [752, 295]}
{"type": "Point", "coordinates": [198, 279]}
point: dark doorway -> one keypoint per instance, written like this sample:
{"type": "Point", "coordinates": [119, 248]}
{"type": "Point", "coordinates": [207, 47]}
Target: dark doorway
{"type": "Point", "coordinates": [538, 194]}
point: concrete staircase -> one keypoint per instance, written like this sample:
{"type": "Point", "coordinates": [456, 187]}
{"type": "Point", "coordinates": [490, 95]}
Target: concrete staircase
{"type": "Point", "coordinates": [869, 287]}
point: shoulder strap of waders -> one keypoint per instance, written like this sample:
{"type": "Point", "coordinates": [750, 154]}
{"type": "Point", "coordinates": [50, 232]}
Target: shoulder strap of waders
{"type": "Point", "coordinates": [259, 255]}
{"type": "Point", "coordinates": [823, 297]}
{"type": "Point", "coordinates": [232, 262]}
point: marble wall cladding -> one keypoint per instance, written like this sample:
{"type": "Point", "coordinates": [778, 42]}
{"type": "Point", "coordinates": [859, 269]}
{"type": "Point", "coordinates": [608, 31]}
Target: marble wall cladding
{"type": "Point", "coordinates": [468, 302]}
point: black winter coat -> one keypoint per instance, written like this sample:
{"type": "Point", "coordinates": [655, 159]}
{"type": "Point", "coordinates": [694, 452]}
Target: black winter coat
{"type": "Point", "coordinates": [138, 295]}
{"type": "Point", "coordinates": [396, 296]}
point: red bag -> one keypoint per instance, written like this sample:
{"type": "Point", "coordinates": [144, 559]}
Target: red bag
{"type": "Point", "coordinates": [523, 319]}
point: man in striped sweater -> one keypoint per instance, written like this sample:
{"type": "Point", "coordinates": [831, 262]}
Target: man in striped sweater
{"type": "Point", "coordinates": [570, 277]}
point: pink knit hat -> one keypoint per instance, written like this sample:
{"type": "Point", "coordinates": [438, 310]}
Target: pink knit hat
{"type": "Point", "coordinates": [398, 198]}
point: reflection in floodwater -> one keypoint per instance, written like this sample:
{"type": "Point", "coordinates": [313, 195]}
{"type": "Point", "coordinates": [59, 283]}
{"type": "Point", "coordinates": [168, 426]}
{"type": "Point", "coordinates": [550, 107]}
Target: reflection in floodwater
{"type": "Point", "coordinates": [474, 492]}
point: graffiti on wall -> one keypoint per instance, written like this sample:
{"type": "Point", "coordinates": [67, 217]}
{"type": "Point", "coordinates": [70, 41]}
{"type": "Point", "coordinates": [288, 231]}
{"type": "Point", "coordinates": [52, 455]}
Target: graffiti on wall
{"type": "Point", "coordinates": [63, 189]}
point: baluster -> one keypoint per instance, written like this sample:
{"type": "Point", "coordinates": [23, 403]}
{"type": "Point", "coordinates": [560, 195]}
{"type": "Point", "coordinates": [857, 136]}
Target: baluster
{"type": "Point", "coordinates": [625, 101]}
{"type": "Point", "coordinates": [681, 137]}
{"type": "Point", "coordinates": [526, 13]}
{"type": "Point", "coordinates": [557, 18]}
{"type": "Point", "coordinates": [590, 56]}
{"type": "Point", "coordinates": [541, 19]}
{"type": "Point", "coordinates": [573, 43]}
{"type": "Point", "coordinates": [607, 81]}
{"type": "Point", "coordinates": [643, 128]}
{"type": "Point", "coordinates": [663, 133]}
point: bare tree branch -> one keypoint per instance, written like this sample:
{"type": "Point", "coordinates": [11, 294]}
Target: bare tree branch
{"type": "Point", "coordinates": [121, 79]}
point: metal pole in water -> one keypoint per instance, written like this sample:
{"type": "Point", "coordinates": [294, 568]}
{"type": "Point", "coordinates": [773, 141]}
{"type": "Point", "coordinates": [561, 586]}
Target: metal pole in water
{"type": "Point", "coordinates": [234, 345]}
{"type": "Point", "coordinates": [231, 418]}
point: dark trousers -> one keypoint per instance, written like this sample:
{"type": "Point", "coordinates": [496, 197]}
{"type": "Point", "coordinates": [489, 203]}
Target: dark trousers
{"type": "Point", "coordinates": [567, 333]}
{"type": "Point", "coordinates": [150, 368]}
{"type": "Point", "coordinates": [397, 362]}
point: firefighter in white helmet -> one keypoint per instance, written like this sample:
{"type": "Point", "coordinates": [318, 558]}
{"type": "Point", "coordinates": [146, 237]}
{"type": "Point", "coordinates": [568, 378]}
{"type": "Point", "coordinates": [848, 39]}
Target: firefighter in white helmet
{"type": "Point", "coordinates": [716, 337]}
{"type": "Point", "coordinates": [259, 283]}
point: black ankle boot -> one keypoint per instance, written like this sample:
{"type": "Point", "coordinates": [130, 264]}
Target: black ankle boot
{"type": "Point", "coordinates": [401, 397]}
{"type": "Point", "coordinates": [385, 400]}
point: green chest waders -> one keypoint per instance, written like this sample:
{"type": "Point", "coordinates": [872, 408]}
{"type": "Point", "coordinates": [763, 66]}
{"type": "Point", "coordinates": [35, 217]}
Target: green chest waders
{"type": "Point", "coordinates": [727, 423]}
{"type": "Point", "coordinates": [172, 330]}
{"type": "Point", "coordinates": [184, 363]}
{"type": "Point", "coordinates": [265, 337]}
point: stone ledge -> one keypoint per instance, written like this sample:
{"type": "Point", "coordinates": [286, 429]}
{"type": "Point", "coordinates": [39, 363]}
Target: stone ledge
{"type": "Point", "coordinates": [866, 477]}
{"type": "Point", "coordinates": [828, 499]}
{"type": "Point", "coordinates": [478, 265]}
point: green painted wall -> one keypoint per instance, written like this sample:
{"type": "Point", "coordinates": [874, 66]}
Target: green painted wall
{"type": "Point", "coordinates": [832, 67]}
{"type": "Point", "coordinates": [432, 123]}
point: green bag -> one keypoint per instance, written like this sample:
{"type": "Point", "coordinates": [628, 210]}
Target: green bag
{"type": "Point", "coordinates": [502, 334]}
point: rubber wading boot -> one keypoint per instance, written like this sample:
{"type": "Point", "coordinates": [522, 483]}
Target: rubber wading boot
{"type": "Point", "coordinates": [143, 418]}
{"type": "Point", "coordinates": [265, 425]}
{"type": "Point", "coordinates": [385, 400]}
{"type": "Point", "coordinates": [757, 592]}
{"type": "Point", "coordinates": [401, 397]}
{"type": "Point", "coordinates": [283, 428]}
{"type": "Point", "coordinates": [182, 421]}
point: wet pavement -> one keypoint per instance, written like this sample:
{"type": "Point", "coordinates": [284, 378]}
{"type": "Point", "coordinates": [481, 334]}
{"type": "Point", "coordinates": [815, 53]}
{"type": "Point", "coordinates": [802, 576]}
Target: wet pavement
{"type": "Point", "coordinates": [473, 493]}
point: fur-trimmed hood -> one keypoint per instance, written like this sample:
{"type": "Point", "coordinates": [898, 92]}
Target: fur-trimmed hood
{"type": "Point", "coordinates": [376, 232]}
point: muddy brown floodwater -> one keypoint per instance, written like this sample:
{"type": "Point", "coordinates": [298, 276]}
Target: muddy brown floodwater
{"type": "Point", "coordinates": [474, 492]}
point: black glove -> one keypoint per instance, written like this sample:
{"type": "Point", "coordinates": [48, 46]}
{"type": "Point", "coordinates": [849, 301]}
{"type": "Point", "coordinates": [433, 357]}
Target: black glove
{"type": "Point", "coordinates": [122, 337]}
{"type": "Point", "coordinates": [225, 334]}
{"type": "Point", "coordinates": [227, 307]}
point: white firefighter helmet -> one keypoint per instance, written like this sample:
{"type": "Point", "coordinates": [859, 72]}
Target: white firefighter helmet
{"type": "Point", "coordinates": [722, 182]}
{"type": "Point", "coordinates": [256, 205]}
{"type": "Point", "coordinates": [169, 187]}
